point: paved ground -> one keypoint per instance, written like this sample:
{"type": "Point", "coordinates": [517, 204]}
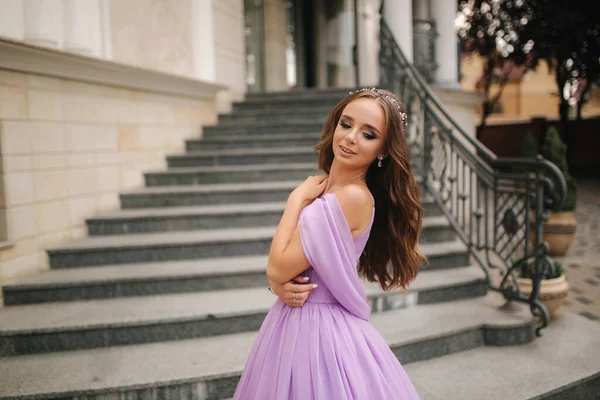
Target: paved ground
{"type": "Point", "coordinates": [582, 261]}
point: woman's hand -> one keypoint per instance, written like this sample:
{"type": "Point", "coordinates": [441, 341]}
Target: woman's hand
{"type": "Point", "coordinates": [310, 189]}
{"type": "Point", "coordinates": [291, 290]}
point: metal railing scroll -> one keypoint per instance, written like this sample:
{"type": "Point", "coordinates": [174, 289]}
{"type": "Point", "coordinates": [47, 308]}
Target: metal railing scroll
{"type": "Point", "coordinates": [495, 205]}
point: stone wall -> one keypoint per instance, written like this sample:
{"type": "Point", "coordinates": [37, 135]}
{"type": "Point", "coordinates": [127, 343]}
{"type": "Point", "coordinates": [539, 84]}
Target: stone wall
{"type": "Point", "coordinates": [230, 51]}
{"type": "Point", "coordinates": [68, 148]}
{"type": "Point", "coordinates": [153, 34]}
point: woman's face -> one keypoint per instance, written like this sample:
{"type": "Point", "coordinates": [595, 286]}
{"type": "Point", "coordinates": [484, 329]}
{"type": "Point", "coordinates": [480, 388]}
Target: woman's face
{"type": "Point", "coordinates": [360, 134]}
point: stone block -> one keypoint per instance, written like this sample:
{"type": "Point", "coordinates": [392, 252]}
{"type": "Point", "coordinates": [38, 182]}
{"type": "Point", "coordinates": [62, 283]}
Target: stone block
{"type": "Point", "coordinates": [155, 113]}
{"type": "Point", "coordinates": [95, 89]}
{"type": "Point", "coordinates": [18, 188]}
{"type": "Point", "coordinates": [50, 185]}
{"type": "Point", "coordinates": [78, 233]}
{"type": "Point", "coordinates": [21, 222]}
{"type": "Point", "coordinates": [131, 178]}
{"type": "Point", "coordinates": [109, 158]}
{"type": "Point", "coordinates": [128, 137]}
{"type": "Point", "coordinates": [16, 137]}
{"type": "Point", "coordinates": [82, 181]}
{"type": "Point", "coordinates": [107, 179]}
{"type": "Point", "coordinates": [81, 159]}
{"type": "Point", "coordinates": [152, 137]}
{"type": "Point", "coordinates": [105, 137]}
{"type": "Point", "coordinates": [45, 105]}
{"type": "Point", "coordinates": [80, 208]}
{"type": "Point", "coordinates": [47, 138]}
{"type": "Point", "coordinates": [21, 266]}
{"type": "Point", "coordinates": [44, 82]}
{"type": "Point", "coordinates": [52, 216]}
{"type": "Point", "coordinates": [16, 163]}
{"type": "Point", "coordinates": [126, 111]}
{"type": "Point", "coordinates": [107, 201]}
{"type": "Point", "coordinates": [88, 108]}
{"type": "Point", "coordinates": [13, 102]}
{"type": "Point", "coordinates": [79, 137]}
{"type": "Point", "coordinates": [49, 161]}
{"type": "Point", "coordinates": [11, 78]}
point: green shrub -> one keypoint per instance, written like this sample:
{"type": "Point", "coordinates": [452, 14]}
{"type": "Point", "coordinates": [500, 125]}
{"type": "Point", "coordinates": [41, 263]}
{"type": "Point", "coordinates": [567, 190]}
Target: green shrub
{"type": "Point", "coordinates": [527, 268]}
{"type": "Point", "coordinates": [555, 150]}
{"type": "Point", "coordinates": [529, 146]}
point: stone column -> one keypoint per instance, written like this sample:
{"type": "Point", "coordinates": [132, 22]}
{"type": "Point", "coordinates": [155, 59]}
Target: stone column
{"type": "Point", "coordinates": [346, 77]}
{"type": "Point", "coordinates": [12, 24]}
{"type": "Point", "coordinates": [368, 42]}
{"type": "Point", "coordinates": [446, 48]}
{"type": "Point", "coordinates": [203, 40]}
{"type": "Point", "coordinates": [398, 16]}
{"type": "Point", "coordinates": [320, 32]}
{"type": "Point", "coordinates": [82, 27]}
{"type": "Point", "coordinates": [421, 9]}
{"type": "Point", "coordinates": [44, 23]}
{"type": "Point", "coordinates": [275, 33]}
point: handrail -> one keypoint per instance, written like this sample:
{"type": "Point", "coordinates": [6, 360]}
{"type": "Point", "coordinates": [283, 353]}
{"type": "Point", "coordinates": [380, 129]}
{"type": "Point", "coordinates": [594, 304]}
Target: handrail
{"type": "Point", "coordinates": [480, 147]}
{"type": "Point", "coordinates": [496, 205]}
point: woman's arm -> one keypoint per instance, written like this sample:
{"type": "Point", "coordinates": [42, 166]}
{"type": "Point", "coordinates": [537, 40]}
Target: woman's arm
{"type": "Point", "coordinates": [286, 256]}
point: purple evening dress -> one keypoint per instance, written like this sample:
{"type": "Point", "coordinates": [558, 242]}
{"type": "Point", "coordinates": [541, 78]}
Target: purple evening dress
{"type": "Point", "coordinates": [326, 349]}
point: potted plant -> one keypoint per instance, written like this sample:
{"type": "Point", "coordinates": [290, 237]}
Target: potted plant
{"type": "Point", "coordinates": [559, 229]}
{"type": "Point", "coordinates": [554, 287]}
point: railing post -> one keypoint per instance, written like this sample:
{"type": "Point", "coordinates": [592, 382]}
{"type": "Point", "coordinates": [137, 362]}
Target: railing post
{"type": "Point", "coordinates": [540, 248]}
{"type": "Point", "coordinates": [427, 145]}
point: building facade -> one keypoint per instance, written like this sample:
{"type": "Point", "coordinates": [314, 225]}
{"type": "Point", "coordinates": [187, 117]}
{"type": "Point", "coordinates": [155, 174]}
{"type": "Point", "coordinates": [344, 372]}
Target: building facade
{"type": "Point", "coordinates": [95, 92]}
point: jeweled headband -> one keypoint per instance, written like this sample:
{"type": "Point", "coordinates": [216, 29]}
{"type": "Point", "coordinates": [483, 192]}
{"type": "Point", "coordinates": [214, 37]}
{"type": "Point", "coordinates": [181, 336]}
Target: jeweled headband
{"type": "Point", "coordinates": [403, 115]}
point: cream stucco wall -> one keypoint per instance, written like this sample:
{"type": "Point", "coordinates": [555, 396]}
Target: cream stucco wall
{"type": "Point", "coordinates": [536, 94]}
{"type": "Point", "coordinates": [153, 34]}
{"type": "Point", "coordinates": [68, 148]}
{"type": "Point", "coordinates": [230, 51]}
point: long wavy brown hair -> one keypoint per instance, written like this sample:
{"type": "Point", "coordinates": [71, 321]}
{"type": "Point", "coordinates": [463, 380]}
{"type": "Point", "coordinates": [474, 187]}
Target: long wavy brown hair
{"type": "Point", "coordinates": [392, 256]}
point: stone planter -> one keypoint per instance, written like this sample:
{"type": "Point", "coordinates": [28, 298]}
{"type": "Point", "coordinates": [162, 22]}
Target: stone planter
{"type": "Point", "coordinates": [552, 291]}
{"type": "Point", "coordinates": [558, 231]}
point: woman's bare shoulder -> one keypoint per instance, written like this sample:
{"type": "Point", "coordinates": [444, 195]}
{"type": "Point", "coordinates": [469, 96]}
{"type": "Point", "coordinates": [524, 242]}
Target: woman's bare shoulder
{"type": "Point", "coordinates": [356, 202]}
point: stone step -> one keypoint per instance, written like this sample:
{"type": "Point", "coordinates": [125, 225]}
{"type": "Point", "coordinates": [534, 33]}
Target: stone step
{"type": "Point", "coordinates": [206, 243]}
{"type": "Point", "coordinates": [288, 106]}
{"type": "Point", "coordinates": [209, 367]}
{"type": "Point", "coordinates": [66, 326]}
{"type": "Point", "coordinates": [262, 128]}
{"type": "Point", "coordinates": [435, 229]}
{"type": "Point", "coordinates": [257, 115]}
{"type": "Point", "coordinates": [225, 193]}
{"type": "Point", "coordinates": [277, 155]}
{"type": "Point", "coordinates": [294, 118]}
{"type": "Point", "coordinates": [307, 94]}
{"type": "Point", "coordinates": [231, 174]}
{"type": "Point", "coordinates": [246, 142]}
{"type": "Point", "coordinates": [145, 279]}
{"type": "Point", "coordinates": [560, 365]}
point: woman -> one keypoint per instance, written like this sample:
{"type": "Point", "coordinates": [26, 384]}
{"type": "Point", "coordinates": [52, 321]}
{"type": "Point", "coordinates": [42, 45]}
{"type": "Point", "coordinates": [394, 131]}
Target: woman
{"type": "Point", "coordinates": [316, 341]}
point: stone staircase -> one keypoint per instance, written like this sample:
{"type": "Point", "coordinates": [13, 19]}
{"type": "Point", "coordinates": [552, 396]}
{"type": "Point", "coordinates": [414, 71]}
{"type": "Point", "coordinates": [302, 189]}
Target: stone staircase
{"type": "Point", "coordinates": [164, 298]}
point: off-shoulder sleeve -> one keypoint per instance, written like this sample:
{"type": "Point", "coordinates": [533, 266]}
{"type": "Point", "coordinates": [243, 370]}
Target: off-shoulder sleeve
{"type": "Point", "coordinates": [329, 248]}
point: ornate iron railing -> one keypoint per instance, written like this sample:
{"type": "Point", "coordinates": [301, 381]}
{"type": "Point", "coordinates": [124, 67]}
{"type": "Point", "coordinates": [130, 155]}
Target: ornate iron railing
{"type": "Point", "coordinates": [495, 205]}
{"type": "Point", "coordinates": [424, 37]}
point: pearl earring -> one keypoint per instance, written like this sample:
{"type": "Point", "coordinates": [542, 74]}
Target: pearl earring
{"type": "Point", "coordinates": [379, 164]}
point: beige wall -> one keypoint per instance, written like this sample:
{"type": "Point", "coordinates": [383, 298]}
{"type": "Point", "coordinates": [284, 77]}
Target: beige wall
{"type": "Point", "coordinates": [535, 94]}
{"type": "Point", "coordinates": [153, 34]}
{"type": "Point", "coordinates": [230, 51]}
{"type": "Point", "coordinates": [68, 148]}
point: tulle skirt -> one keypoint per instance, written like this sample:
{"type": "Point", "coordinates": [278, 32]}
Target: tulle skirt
{"type": "Point", "coordinates": [321, 351]}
